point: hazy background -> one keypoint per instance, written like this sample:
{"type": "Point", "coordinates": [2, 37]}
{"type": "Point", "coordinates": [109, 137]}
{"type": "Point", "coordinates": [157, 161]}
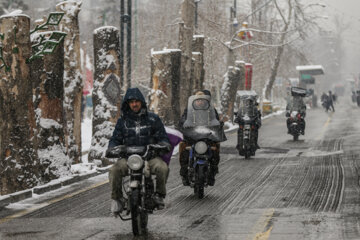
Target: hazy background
{"type": "Point", "coordinates": [348, 11]}
{"type": "Point", "coordinates": [336, 45]}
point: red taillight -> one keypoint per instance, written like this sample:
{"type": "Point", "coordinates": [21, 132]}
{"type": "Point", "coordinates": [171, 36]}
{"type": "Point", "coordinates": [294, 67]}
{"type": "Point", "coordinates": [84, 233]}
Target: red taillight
{"type": "Point", "coordinates": [241, 126]}
{"type": "Point", "coordinates": [299, 116]}
{"type": "Point", "coordinates": [253, 126]}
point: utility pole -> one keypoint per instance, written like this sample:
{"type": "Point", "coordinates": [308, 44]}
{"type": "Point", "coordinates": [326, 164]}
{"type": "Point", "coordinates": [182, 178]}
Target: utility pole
{"type": "Point", "coordinates": [233, 25]}
{"type": "Point", "coordinates": [128, 41]}
{"type": "Point", "coordinates": [122, 10]}
{"type": "Point", "coordinates": [125, 19]}
{"type": "Point", "coordinates": [196, 13]}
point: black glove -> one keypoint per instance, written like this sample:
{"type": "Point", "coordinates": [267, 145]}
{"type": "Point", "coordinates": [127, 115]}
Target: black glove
{"type": "Point", "coordinates": [160, 148]}
{"type": "Point", "coordinates": [115, 152]}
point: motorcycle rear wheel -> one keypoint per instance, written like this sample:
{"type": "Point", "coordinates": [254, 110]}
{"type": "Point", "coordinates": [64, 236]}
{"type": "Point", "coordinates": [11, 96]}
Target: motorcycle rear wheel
{"type": "Point", "coordinates": [296, 137]}
{"type": "Point", "coordinates": [139, 217]}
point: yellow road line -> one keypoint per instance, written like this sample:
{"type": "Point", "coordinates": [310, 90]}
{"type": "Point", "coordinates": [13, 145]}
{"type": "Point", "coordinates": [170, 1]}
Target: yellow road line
{"type": "Point", "coordinates": [264, 235]}
{"type": "Point", "coordinates": [326, 124]}
{"type": "Point", "coordinates": [36, 207]}
{"type": "Point", "coordinates": [263, 227]}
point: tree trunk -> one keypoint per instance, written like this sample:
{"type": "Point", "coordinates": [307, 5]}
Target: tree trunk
{"type": "Point", "coordinates": [241, 66]}
{"type": "Point", "coordinates": [241, 85]}
{"type": "Point", "coordinates": [186, 31]}
{"type": "Point", "coordinates": [198, 71]}
{"type": "Point", "coordinates": [274, 70]}
{"type": "Point", "coordinates": [18, 160]}
{"type": "Point", "coordinates": [107, 91]}
{"type": "Point", "coordinates": [165, 79]}
{"type": "Point", "coordinates": [48, 90]}
{"type": "Point", "coordinates": [228, 92]}
{"type": "Point", "coordinates": [279, 52]}
{"type": "Point", "coordinates": [72, 77]}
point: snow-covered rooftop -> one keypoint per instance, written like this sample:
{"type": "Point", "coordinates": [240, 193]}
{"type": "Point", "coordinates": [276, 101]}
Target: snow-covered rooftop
{"type": "Point", "coordinates": [311, 69]}
{"type": "Point", "coordinates": [164, 51]}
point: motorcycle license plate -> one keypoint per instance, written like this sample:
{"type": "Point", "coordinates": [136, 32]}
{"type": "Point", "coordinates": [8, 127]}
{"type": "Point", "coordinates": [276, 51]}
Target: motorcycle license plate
{"type": "Point", "coordinates": [247, 127]}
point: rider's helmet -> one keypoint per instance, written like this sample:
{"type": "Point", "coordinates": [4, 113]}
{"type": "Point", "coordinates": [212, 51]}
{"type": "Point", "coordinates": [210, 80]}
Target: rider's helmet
{"type": "Point", "coordinates": [200, 103]}
{"type": "Point", "coordinates": [206, 92]}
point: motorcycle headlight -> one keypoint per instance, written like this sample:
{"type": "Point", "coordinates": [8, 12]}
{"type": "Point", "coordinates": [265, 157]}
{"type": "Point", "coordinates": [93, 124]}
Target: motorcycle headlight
{"type": "Point", "coordinates": [201, 147]}
{"type": "Point", "coordinates": [135, 162]}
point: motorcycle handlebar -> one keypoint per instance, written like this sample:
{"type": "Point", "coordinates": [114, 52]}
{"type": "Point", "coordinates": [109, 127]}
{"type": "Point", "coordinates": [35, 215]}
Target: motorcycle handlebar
{"type": "Point", "coordinates": [151, 150]}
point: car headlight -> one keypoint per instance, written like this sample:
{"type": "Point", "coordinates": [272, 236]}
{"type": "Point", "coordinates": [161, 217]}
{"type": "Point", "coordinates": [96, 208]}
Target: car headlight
{"type": "Point", "coordinates": [201, 147]}
{"type": "Point", "coordinates": [135, 162]}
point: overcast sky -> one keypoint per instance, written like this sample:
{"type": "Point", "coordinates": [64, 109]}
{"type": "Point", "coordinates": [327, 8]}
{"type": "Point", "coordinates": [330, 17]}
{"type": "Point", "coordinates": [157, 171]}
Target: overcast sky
{"type": "Point", "coordinates": [349, 11]}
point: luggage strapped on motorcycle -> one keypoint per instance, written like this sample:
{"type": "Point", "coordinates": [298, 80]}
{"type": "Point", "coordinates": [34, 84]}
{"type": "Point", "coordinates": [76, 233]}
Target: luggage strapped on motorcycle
{"type": "Point", "coordinates": [297, 91]}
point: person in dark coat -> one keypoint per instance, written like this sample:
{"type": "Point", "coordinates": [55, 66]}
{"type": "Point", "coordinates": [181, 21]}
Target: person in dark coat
{"type": "Point", "coordinates": [137, 127]}
{"type": "Point", "coordinates": [331, 101]}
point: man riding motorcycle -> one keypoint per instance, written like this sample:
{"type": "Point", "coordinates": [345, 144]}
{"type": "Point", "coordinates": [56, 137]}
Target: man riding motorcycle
{"type": "Point", "coordinates": [250, 105]}
{"type": "Point", "coordinates": [137, 127]}
{"type": "Point", "coordinates": [331, 101]}
{"type": "Point", "coordinates": [184, 154]}
{"type": "Point", "coordinates": [296, 104]}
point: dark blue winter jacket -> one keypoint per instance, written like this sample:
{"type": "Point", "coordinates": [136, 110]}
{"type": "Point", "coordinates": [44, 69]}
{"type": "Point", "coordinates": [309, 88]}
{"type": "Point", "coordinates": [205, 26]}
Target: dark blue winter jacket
{"type": "Point", "coordinates": [137, 129]}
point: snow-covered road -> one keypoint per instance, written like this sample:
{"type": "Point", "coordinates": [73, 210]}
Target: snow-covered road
{"type": "Point", "coordinates": [307, 189]}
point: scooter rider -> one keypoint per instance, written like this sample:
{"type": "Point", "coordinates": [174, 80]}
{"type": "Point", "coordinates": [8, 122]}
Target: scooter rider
{"type": "Point", "coordinates": [297, 104]}
{"type": "Point", "coordinates": [184, 154]}
{"type": "Point", "coordinates": [137, 127]}
{"type": "Point", "coordinates": [331, 101]}
{"type": "Point", "coordinates": [253, 105]}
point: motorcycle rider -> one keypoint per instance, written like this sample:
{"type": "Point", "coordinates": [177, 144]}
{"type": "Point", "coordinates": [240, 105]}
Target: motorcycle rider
{"type": "Point", "coordinates": [331, 101]}
{"type": "Point", "coordinates": [137, 127]}
{"type": "Point", "coordinates": [353, 96]}
{"type": "Point", "coordinates": [251, 103]}
{"type": "Point", "coordinates": [296, 104]}
{"type": "Point", "coordinates": [184, 154]}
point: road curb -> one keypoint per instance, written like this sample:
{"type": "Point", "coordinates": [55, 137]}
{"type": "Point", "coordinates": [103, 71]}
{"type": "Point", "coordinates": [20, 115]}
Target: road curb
{"type": "Point", "coordinates": [15, 197]}
{"type": "Point", "coordinates": [19, 196]}
{"type": "Point", "coordinates": [4, 201]}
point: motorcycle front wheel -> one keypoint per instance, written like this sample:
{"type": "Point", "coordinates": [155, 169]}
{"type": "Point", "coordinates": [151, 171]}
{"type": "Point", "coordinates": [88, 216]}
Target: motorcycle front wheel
{"type": "Point", "coordinates": [139, 217]}
{"type": "Point", "coordinates": [200, 182]}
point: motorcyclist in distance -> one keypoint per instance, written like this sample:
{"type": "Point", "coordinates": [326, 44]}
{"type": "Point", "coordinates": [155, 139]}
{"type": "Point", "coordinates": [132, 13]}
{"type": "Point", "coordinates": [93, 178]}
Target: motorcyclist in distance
{"type": "Point", "coordinates": [331, 101]}
{"type": "Point", "coordinates": [137, 127]}
{"type": "Point", "coordinates": [296, 104]}
{"type": "Point", "coordinates": [253, 105]}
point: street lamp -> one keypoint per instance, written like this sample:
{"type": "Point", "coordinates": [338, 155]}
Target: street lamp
{"type": "Point", "coordinates": [233, 11]}
{"type": "Point", "coordinates": [196, 13]}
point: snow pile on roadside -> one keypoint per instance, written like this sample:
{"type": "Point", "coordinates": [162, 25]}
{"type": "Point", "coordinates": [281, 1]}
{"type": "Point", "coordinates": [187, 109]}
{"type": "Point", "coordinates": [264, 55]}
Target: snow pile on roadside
{"type": "Point", "coordinates": [83, 168]}
{"type": "Point", "coordinates": [318, 153]}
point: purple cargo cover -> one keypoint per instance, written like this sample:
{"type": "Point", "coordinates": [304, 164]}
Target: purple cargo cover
{"type": "Point", "coordinates": [175, 138]}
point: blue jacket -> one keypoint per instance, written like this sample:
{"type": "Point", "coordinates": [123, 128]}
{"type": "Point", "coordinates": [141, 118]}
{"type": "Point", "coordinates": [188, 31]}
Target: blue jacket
{"type": "Point", "coordinates": [137, 129]}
